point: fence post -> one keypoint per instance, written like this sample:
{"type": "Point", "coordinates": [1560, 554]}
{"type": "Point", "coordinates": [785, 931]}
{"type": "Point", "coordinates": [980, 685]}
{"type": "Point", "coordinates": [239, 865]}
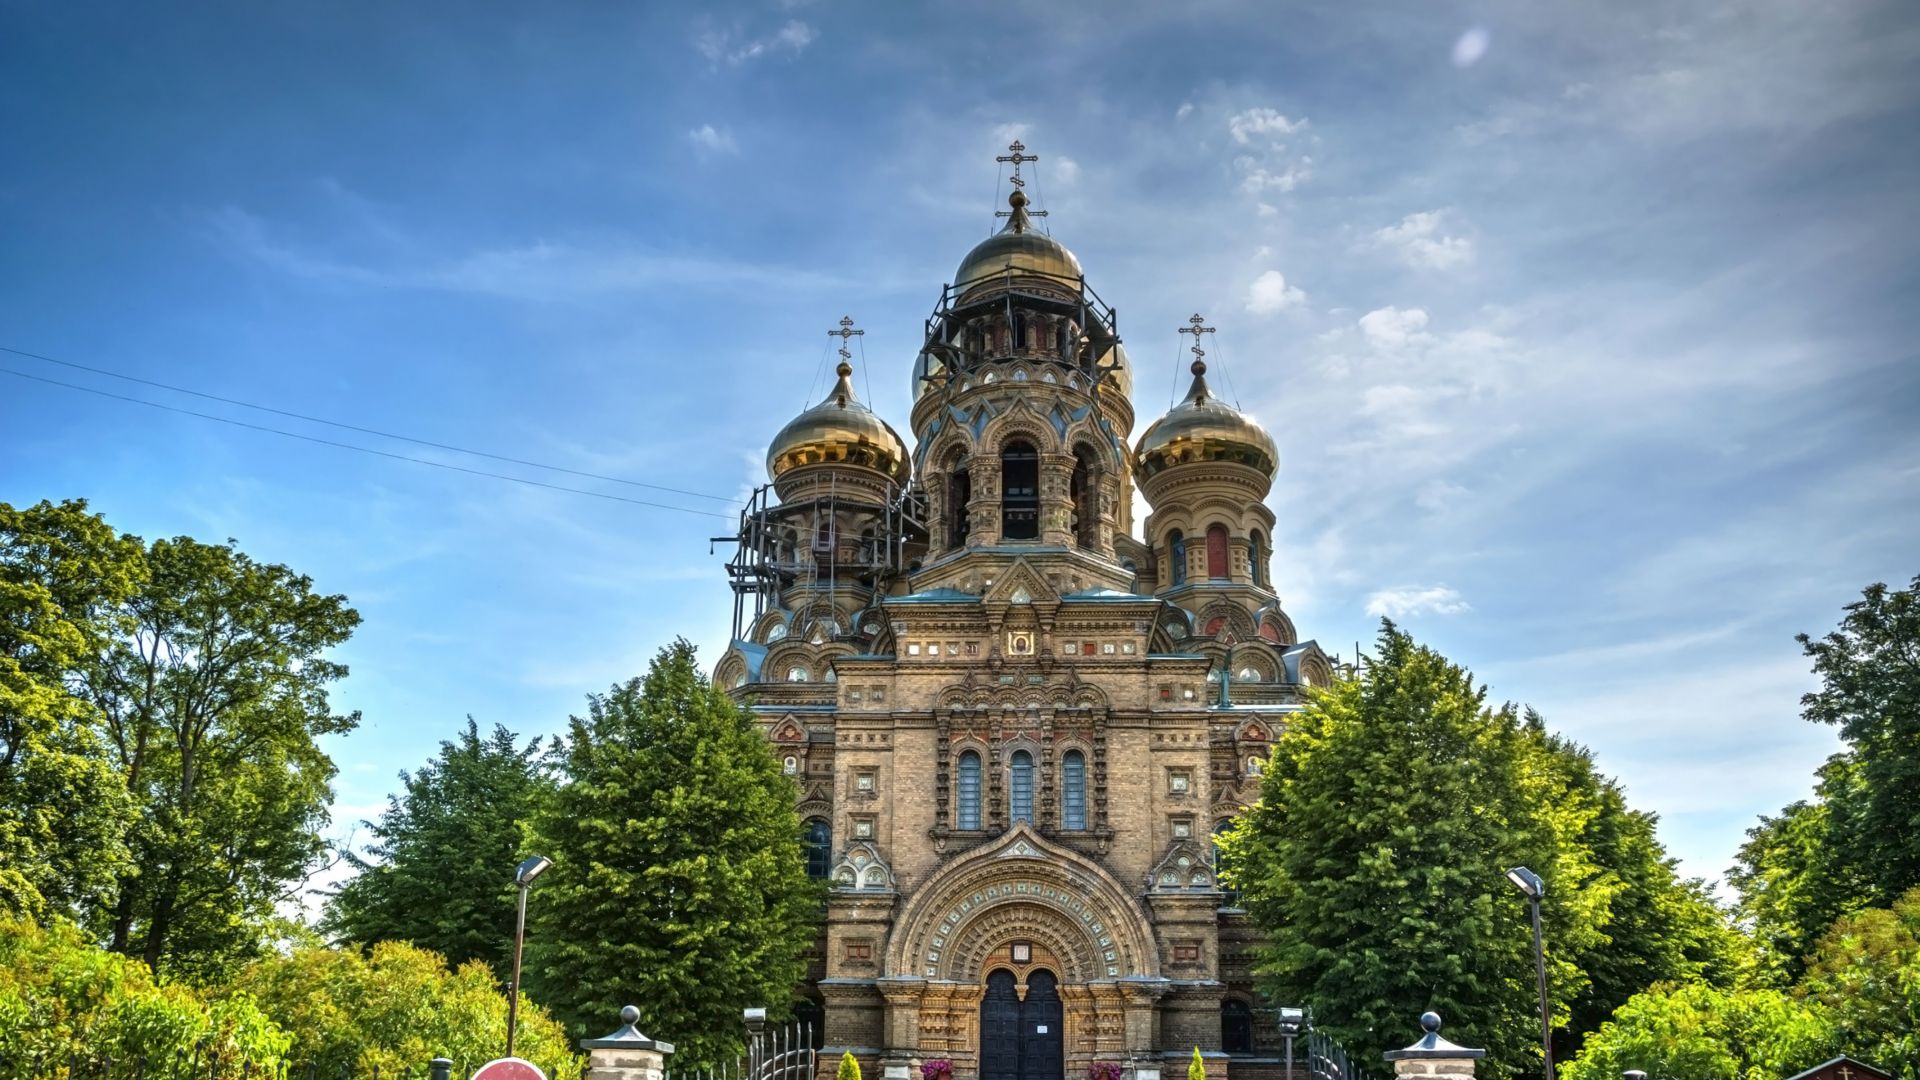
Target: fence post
{"type": "Point", "coordinates": [440, 1069]}
{"type": "Point", "coordinates": [626, 1054]}
{"type": "Point", "coordinates": [1434, 1058]}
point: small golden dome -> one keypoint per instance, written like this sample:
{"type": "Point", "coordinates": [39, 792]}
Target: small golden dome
{"type": "Point", "coordinates": [1119, 370]}
{"type": "Point", "coordinates": [839, 430]}
{"type": "Point", "coordinates": [1018, 250]}
{"type": "Point", "coordinates": [1204, 428]}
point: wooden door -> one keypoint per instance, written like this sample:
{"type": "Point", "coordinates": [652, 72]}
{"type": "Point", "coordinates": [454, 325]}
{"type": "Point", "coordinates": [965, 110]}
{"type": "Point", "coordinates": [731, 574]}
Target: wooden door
{"type": "Point", "coordinates": [1000, 1029]}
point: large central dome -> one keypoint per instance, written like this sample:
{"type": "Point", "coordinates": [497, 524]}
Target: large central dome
{"type": "Point", "coordinates": [1017, 250]}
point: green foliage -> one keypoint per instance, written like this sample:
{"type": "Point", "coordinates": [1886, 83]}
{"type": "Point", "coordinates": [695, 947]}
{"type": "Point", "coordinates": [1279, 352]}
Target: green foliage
{"type": "Point", "coordinates": [1376, 859]}
{"type": "Point", "coordinates": [444, 848]}
{"type": "Point", "coordinates": [1698, 1032]}
{"type": "Point", "coordinates": [678, 880]}
{"type": "Point", "coordinates": [1854, 845]}
{"type": "Point", "coordinates": [62, 996]}
{"type": "Point", "coordinates": [212, 709]}
{"type": "Point", "coordinates": [65, 577]}
{"type": "Point", "coordinates": [849, 1068]}
{"type": "Point", "coordinates": [1197, 1068]}
{"type": "Point", "coordinates": [1866, 971]}
{"type": "Point", "coordinates": [396, 1008]}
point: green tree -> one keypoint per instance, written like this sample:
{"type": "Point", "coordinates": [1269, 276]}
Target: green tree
{"type": "Point", "coordinates": [849, 1067]}
{"type": "Point", "coordinates": [445, 848]}
{"type": "Point", "coordinates": [678, 881]}
{"type": "Point", "coordinates": [1375, 860]}
{"type": "Point", "coordinates": [212, 707]}
{"type": "Point", "coordinates": [1866, 972]}
{"type": "Point", "coordinates": [1699, 1032]}
{"type": "Point", "coordinates": [1197, 1068]}
{"type": "Point", "coordinates": [1854, 845]}
{"type": "Point", "coordinates": [63, 997]}
{"type": "Point", "coordinates": [65, 577]}
{"type": "Point", "coordinates": [395, 1008]}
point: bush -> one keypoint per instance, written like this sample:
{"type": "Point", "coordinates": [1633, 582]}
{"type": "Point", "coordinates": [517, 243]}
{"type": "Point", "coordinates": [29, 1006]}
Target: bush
{"type": "Point", "coordinates": [395, 1009]}
{"type": "Point", "coordinates": [849, 1068]}
{"type": "Point", "coordinates": [1697, 1032]}
{"type": "Point", "coordinates": [61, 996]}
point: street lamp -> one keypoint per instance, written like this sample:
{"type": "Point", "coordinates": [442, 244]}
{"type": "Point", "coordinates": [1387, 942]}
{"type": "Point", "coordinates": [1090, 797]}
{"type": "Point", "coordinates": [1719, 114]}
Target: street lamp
{"type": "Point", "coordinates": [1529, 883]}
{"type": "Point", "coordinates": [523, 876]}
{"type": "Point", "coordinates": [1291, 1021]}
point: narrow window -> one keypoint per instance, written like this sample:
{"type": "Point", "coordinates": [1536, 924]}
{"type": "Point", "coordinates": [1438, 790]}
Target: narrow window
{"type": "Point", "coordinates": [1086, 505]}
{"type": "Point", "coordinates": [1177, 557]}
{"type": "Point", "coordinates": [969, 815]}
{"type": "Point", "coordinates": [1020, 787]}
{"type": "Point", "coordinates": [1019, 331]}
{"type": "Point", "coordinates": [959, 492]}
{"type": "Point", "coordinates": [1073, 790]}
{"type": "Point", "coordinates": [1257, 556]}
{"type": "Point", "coordinates": [817, 839]}
{"type": "Point", "coordinates": [1236, 1027]}
{"type": "Point", "coordinates": [1216, 551]}
{"type": "Point", "coordinates": [1019, 492]}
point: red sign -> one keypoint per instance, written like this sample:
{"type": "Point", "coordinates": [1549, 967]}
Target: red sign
{"type": "Point", "coordinates": [508, 1069]}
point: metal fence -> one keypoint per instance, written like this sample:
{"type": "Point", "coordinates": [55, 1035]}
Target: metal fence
{"type": "Point", "coordinates": [776, 1052]}
{"type": "Point", "coordinates": [1328, 1060]}
{"type": "Point", "coordinates": [197, 1065]}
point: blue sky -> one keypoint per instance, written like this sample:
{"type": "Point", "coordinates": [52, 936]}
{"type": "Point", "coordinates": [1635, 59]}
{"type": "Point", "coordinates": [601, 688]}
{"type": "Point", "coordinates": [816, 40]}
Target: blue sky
{"type": "Point", "coordinates": [1585, 331]}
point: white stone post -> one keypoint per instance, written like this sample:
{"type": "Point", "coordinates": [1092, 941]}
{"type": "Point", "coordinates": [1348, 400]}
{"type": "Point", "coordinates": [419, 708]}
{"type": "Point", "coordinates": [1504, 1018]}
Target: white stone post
{"type": "Point", "coordinates": [626, 1054]}
{"type": "Point", "coordinates": [1434, 1058]}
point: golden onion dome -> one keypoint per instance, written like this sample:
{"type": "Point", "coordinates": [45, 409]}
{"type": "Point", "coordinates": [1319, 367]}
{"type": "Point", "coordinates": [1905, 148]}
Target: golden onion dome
{"type": "Point", "coordinates": [1119, 370]}
{"type": "Point", "coordinates": [1017, 250]}
{"type": "Point", "coordinates": [1204, 428]}
{"type": "Point", "coordinates": [839, 430]}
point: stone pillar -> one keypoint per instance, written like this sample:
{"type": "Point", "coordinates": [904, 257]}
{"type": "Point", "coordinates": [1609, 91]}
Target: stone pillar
{"type": "Point", "coordinates": [1434, 1058]}
{"type": "Point", "coordinates": [983, 508]}
{"type": "Point", "coordinates": [1056, 501]}
{"type": "Point", "coordinates": [626, 1054]}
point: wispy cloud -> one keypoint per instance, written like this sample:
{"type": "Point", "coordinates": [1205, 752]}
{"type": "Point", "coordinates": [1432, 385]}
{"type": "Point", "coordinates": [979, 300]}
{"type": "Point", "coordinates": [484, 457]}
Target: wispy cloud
{"type": "Point", "coordinates": [1402, 601]}
{"type": "Point", "coordinates": [1270, 293]}
{"type": "Point", "coordinates": [1262, 121]}
{"type": "Point", "coordinates": [1421, 241]}
{"type": "Point", "coordinates": [713, 140]}
{"type": "Point", "coordinates": [731, 47]}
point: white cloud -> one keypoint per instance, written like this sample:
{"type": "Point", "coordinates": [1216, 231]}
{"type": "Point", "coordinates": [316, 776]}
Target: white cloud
{"type": "Point", "coordinates": [1185, 110]}
{"type": "Point", "coordinates": [1420, 241]}
{"type": "Point", "coordinates": [1262, 121]}
{"type": "Point", "coordinates": [1471, 47]}
{"type": "Point", "coordinates": [726, 46]}
{"type": "Point", "coordinates": [1407, 600]}
{"type": "Point", "coordinates": [1066, 171]}
{"type": "Point", "coordinates": [1394, 328]}
{"type": "Point", "coordinates": [1258, 177]}
{"type": "Point", "coordinates": [1270, 293]}
{"type": "Point", "coordinates": [714, 140]}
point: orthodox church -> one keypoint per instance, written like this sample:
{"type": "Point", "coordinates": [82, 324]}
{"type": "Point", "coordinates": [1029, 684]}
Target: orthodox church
{"type": "Point", "coordinates": [1014, 719]}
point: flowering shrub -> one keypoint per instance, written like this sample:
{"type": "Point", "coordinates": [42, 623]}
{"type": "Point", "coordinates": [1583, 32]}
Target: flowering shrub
{"type": "Point", "coordinates": [1104, 1070]}
{"type": "Point", "coordinates": [937, 1069]}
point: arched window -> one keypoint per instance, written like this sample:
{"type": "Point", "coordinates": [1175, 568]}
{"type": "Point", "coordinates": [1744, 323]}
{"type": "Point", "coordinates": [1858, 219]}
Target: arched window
{"type": "Point", "coordinates": [1019, 331]}
{"type": "Point", "coordinates": [1257, 557]}
{"type": "Point", "coordinates": [1176, 558]}
{"type": "Point", "coordinates": [1020, 787]}
{"type": "Point", "coordinates": [817, 838]}
{"type": "Point", "coordinates": [796, 674]}
{"type": "Point", "coordinates": [1073, 790]}
{"type": "Point", "coordinates": [959, 493]}
{"type": "Point", "coordinates": [1019, 492]}
{"type": "Point", "coordinates": [1216, 551]}
{"type": "Point", "coordinates": [1230, 897]}
{"type": "Point", "coordinates": [1236, 1027]}
{"type": "Point", "coordinates": [791, 766]}
{"type": "Point", "coordinates": [1086, 503]}
{"type": "Point", "coordinates": [968, 817]}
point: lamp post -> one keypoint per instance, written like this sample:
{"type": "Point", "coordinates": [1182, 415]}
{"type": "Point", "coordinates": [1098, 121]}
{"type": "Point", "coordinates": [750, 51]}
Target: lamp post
{"type": "Point", "coordinates": [1291, 1021]}
{"type": "Point", "coordinates": [1529, 883]}
{"type": "Point", "coordinates": [523, 876]}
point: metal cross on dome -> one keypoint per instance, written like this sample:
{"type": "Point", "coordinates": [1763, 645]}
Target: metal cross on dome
{"type": "Point", "coordinates": [845, 332]}
{"type": "Point", "coordinates": [1018, 157]}
{"type": "Point", "coordinates": [1196, 327]}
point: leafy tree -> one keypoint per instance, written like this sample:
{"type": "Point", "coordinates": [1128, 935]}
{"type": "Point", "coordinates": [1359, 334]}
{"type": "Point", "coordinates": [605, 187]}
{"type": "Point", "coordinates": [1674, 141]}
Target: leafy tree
{"type": "Point", "coordinates": [394, 1009]}
{"type": "Point", "coordinates": [1197, 1068]}
{"type": "Point", "coordinates": [678, 881]}
{"type": "Point", "coordinates": [212, 707]}
{"type": "Point", "coordinates": [63, 997]}
{"type": "Point", "coordinates": [64, 578]}
{"type": "Point", "coordinates": [1375, 860]}
{"type": "Point", "coordinates": [1854, 845]}
{"type": "Point", "coordinates": [1866, 971]}
{"type": "Point", "coordinates": [445, 848]}
{"type": "Point", "coordinates": [1699, 1032]}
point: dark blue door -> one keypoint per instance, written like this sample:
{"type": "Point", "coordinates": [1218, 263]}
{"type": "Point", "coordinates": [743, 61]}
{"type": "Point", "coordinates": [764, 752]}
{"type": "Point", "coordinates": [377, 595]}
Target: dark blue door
{"type": "Point", "coordinates": [1042, 1054]}
{"type": "Point", "coordinates": [1000, 1029]}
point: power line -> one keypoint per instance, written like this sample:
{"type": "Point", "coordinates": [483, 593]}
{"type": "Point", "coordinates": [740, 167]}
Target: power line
{"type": "Point", "coordinates": [360, 449]}
{"type": "Point", "coordinates": [354, 427]}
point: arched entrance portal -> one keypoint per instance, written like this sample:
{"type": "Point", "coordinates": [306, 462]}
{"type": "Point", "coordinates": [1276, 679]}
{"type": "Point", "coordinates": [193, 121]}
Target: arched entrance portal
{"type": "Point", "coordinates": [1020, 1039]}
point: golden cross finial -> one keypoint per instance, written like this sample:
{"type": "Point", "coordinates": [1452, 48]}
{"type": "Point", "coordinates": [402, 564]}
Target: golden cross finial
{"type": "Point", "coordinates": [1197, 326]}
{"type": "Point", "coordinates": [846, 331]}
{"type": "Point", "coordinates": [1018, 156]}
{"type": "Point", "coordinates": [1018, 200]}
